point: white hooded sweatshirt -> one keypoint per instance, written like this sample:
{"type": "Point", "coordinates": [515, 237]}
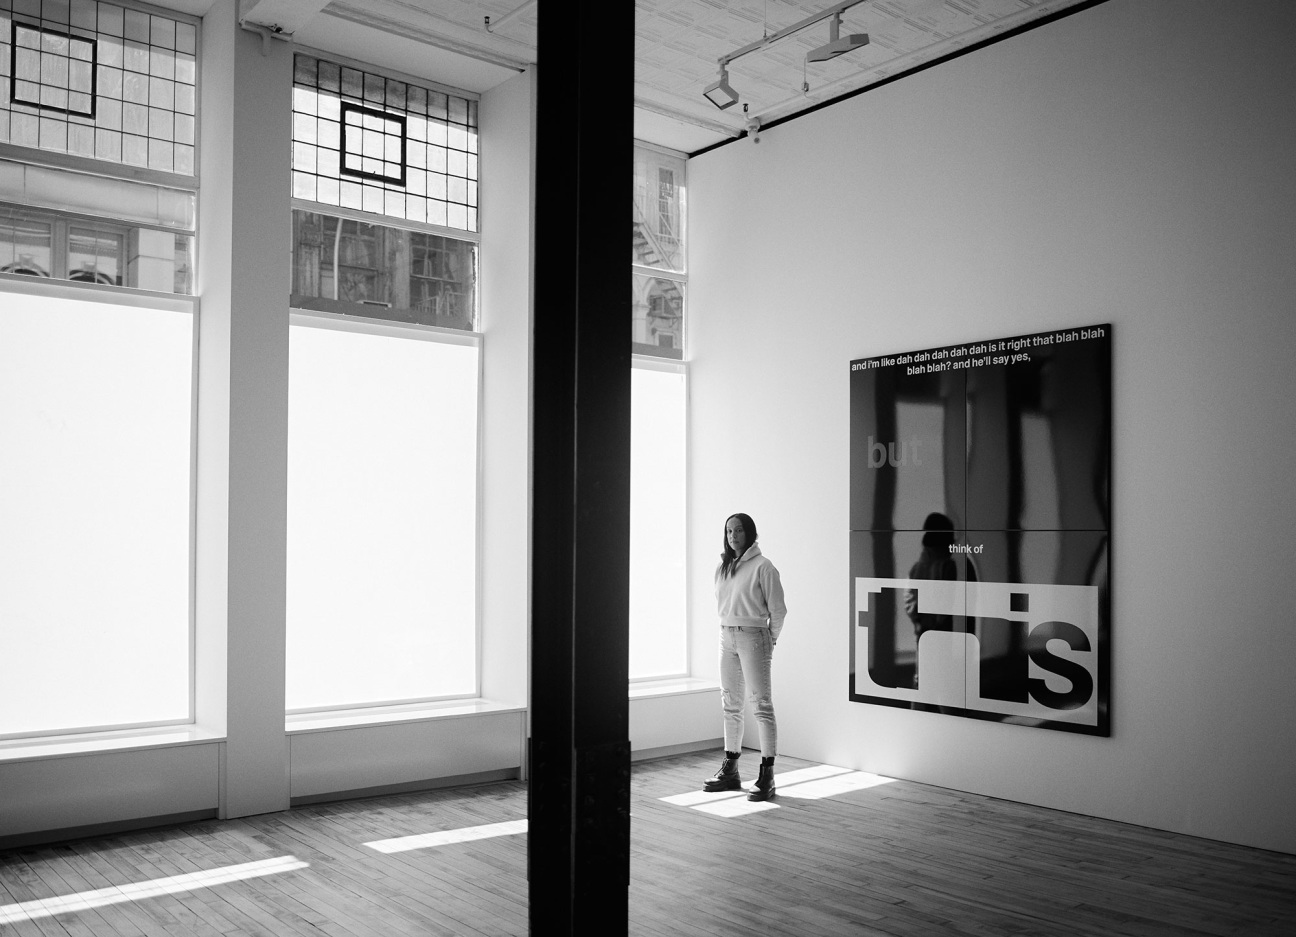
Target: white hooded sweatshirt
{"type": "Point", "coordinates": [751, 596]}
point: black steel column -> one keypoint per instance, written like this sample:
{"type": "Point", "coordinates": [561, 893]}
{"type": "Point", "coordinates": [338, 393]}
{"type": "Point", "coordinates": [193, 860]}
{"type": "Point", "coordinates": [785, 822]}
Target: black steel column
{"type": "Point", "coordinates": [579, 763]}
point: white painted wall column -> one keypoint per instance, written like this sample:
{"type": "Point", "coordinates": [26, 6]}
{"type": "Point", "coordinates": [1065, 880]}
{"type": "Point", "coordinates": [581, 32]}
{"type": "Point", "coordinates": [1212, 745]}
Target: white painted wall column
{"type": "Point", "coordinates": [243, 410]}
{"type": "Point", "coordinates": [507, 160]}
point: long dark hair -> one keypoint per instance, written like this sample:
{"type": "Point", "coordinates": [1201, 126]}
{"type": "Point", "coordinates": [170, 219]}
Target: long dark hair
{"type": "Point", "coordinates": [938, 534]}
{"type": "Point", "coordinates": [728, 558]}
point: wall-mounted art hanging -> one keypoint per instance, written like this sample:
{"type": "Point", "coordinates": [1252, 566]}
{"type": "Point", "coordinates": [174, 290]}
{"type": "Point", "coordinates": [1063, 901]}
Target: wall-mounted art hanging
{"type": "Point", "coordinates": [980, 539]}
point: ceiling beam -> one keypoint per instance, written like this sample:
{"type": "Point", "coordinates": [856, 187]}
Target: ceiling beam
{"type": "Point", "coordinates": [404, 19]}
{"type": "Point", "coordinates": [501, 21]}
{"type": "Point", "coordinates": [280, 16]}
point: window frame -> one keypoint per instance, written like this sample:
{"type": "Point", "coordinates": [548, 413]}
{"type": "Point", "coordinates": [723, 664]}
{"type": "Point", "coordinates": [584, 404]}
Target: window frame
{"type": "Point", "coordinates": [675, 359]}
{"type": "Point", "coordinates": [61, 220]}
{"type": "Point", "coordinates": [365, 322]}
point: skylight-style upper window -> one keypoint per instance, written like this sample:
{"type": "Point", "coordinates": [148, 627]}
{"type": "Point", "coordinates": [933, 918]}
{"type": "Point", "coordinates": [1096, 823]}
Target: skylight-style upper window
{"type": "Point", "coordinates": [366, 142]}
{"type": "Point", "coordinates": [101, 81]}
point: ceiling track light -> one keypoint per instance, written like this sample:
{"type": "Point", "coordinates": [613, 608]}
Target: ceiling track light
{"type": "Point", "coordinates": [721, 93]}
{"type": "Point", "coordinates": [837, 45]}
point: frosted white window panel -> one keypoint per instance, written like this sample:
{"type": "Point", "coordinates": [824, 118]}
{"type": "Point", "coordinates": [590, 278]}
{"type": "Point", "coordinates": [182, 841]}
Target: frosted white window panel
{"type": "Point", "coordinates": [382, 514]}
{"type": "Point", "coordinates": [658, 575]}
{"type": "Point", "coordinates": [96, 406]}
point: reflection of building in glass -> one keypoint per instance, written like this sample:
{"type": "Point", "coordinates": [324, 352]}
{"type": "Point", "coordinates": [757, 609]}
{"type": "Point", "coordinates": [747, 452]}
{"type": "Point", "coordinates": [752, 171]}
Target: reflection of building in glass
{"type": "Point", "coordinates": [46, 243]}
{"type": "Point", "coordinates": [395, 273]}
{"type": "Point", "coordinates": [24, 245]}
{"type": "Point", "coordinates": [658, 313]}
{"type": "Point", "coordinates": [658, 239]}
{"type": "Point", "coordinates": [657, 254]}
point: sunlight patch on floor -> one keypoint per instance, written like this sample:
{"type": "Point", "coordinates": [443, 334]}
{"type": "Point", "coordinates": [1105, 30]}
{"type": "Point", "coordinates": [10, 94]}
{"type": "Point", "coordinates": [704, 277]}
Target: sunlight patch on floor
{"type": "Point", "coordinates": [446, 837]}
{"type": "Point", "coordinates": [838, 784]}
{"type": "Point", "coordinates": [119, 894]}
{"type": "Point", "coordinates": [813, 783]}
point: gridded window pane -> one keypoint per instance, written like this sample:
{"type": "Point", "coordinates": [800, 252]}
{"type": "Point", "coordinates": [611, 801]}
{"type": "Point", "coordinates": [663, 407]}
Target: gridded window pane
{"type": "Point", "coordinates": [658, 316]}
{"type": "Point", "coordinates": [385, 134]}
{"type": "Point", "coordinates": [382, 477]}
{"type": "Point", "coordinates": [73, 65]}
{"type": "Point", "coordinates": [95, 412]}
{"type": "Point", "coordinates": [347, 266]}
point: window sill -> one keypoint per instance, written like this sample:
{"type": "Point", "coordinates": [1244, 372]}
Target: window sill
{"type": "Point", "coordinates": [297, 723]}
{"type": "Point", "coordinates": [86, 743]}
{"type": "Point", "coordinates": [674, 686]}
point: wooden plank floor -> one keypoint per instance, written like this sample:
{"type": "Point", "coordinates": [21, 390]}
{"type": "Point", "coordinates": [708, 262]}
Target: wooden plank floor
{"type": "Point", "coordinates": [840, 855]}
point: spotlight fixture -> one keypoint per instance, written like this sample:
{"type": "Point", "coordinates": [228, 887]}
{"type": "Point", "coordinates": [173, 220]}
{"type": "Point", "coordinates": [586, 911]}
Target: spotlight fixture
{"type": "Point", "coordinates": [837, 45]}
{"type": "Point", "coordinates": [722, 95]}
{"type": "Point", "coordinates": [719, 93]}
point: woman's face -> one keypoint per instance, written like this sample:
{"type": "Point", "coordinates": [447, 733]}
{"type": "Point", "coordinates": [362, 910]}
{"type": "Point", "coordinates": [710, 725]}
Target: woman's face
{"type": "Point", "coordinates": [736, 535]}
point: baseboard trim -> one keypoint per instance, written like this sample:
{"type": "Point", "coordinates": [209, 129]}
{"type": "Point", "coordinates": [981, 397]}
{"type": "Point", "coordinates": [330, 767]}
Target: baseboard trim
{"type": "Point", "coordinates": [666, 751]}
{"type": "Point", "coordinates": [69, 833]}
{"type": "Point", "coordinates": [409, 787]}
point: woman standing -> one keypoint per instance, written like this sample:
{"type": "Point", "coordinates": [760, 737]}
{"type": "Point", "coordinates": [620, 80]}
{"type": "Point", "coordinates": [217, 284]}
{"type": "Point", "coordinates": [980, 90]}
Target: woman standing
{"type": "Point", "coordinates": [749, 601]}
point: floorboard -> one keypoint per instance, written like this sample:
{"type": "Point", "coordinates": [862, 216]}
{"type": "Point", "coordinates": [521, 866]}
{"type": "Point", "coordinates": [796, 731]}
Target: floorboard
{"type": "Point", "coordinates": [893, 859]}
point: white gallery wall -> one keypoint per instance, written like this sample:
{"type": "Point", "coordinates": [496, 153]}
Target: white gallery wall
{"type": "Point", "coordinates": [1130, 163]}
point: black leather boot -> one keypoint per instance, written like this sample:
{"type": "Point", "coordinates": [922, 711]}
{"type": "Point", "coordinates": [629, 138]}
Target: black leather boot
{"type": "Point", "coordinates": [764, 789]}
{"type": "Point", "coordinates": [726, 779]}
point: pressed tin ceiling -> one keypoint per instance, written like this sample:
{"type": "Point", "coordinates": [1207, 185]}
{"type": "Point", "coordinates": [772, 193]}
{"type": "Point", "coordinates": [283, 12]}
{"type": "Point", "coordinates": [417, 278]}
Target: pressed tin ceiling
{"type": "Point", "coordinates": [677, 47]}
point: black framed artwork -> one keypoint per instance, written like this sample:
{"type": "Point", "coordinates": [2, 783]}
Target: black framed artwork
{"type": "Point", "coordinates": [980, 530]}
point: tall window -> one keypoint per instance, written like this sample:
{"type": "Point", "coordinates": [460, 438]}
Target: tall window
{"type": "Point", "coordinates": [659, 410]}
{"type": "Point", "coordinates": [383, 401]}
{"type": "Point", "coordinates": [98, 108]}
{"type": "Point", "coordinates": [98, 144]}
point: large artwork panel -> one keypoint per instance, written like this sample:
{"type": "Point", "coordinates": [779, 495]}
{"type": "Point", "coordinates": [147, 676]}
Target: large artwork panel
{"type": "Point", "coordinates": [980, 530]}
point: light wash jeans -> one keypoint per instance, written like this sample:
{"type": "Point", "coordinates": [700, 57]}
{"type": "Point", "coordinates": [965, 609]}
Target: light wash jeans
{"type": "Point", "coordinates": [745, 655]}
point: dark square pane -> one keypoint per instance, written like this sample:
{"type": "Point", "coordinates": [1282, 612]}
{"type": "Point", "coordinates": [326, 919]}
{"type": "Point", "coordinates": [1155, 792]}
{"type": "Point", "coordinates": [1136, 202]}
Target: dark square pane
{"type": "Point", "coordinates": [907, 449]}
{"type": "Point", "coordinates": [1039, 433]}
